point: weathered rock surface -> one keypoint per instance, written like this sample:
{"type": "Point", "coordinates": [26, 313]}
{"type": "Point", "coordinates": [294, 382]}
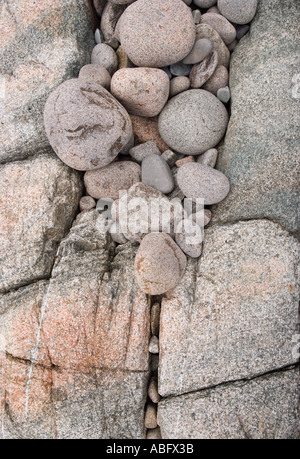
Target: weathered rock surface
{"type": "Point", "coordinates": [42, 44]}
{"type": "Point", "coordinates": [264, 408]}
{"type": "Point", "coordinates": [261, 155]}
{"type": "Point", "coordinates": [86, 126]}
{"type": "Point", "coordinates": [38, 201]}
{"type": "Point", "coordinates": [74, 360]}
{"type": "Point", "coordinates": [235, 312]}
{"type": "Point", "coordinates": [156, 33]}
{"type": "Point", "coordinates": [193, 122]}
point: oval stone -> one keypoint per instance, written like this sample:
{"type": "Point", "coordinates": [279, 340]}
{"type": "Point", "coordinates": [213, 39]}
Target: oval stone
{"type": "Point", "coordinates": [157, 33]}
{"type": "Point", "coordinates": [142, 91]}
{"type": "Point", "coordinates": [159, 264]}
{"type": "Point", "coordinates": [157, 174]}
{"type": "Point", "coordinates": [193, 122]}
{"type": "Point", "coordinates": [219, 23]}
{"type": "Point", "coordinates": [189, 238]}
{"type": "Point", "coordinates": [199, 181]}
{"type": "Point", "coordinates": [108, 181]}
{"type": "Point", "coordinates": [86, 126]}
{"type": "Point", "coordinates": [238, 11]}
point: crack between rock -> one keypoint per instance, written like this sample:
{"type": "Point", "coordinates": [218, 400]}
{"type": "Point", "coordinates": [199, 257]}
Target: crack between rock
{"type": "Point", "coordinates": [283, 369]}
{"type": "Point", "coordinates": [215, 224]}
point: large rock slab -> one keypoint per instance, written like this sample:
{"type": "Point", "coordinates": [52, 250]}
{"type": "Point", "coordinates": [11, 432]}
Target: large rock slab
{"type": "Point", "coordinates": [74, 350]}
{"type": "Point", "coordinates": [264, 408]}
{"type": "Point", "coordinates": [235, 312]}
{"type": "Point", "coordinates": [261, 152]}
{"type": "Point", "coordinates": [43, 43]}
{"type": "Point", "coordinates": [38, 201]}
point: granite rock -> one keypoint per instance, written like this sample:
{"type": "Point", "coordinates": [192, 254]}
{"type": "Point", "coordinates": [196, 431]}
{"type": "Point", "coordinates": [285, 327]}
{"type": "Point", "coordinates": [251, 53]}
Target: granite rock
{"type": "Point", "coordinates": [142, 91]}
{"type": "Point", "coordinates": [110, 180]}
{"type": "Point", "coordinates": [104, 56]}
{"type": "Point", "coordinates": [260, 155]}
{"type": "Point", "coordinates": [38, 201]}
{"type": "Point", "coordinates": [263, 408]}
{"type": "Point", "coordinates": [221, 25]}
{"type": "Point", "coordinates": [94, 73]}
{"type": "Point", "coordinates": [238, 11]}
{"type": "Point", "coordinates": [206, 31]}
{"type": "Point", "coordinates": [43, 43]}
{"type": "Point", "coordinates": [193, 122]}
{"type": "Point", "coordinates": [76, 354]}
{"type": "Point", "coordinates": [220, 79]}
{"type": "Point", "coordinates": [157, 174]}
{"type": "Point", "coordinates": [146, 129]}
{"type": "Point", "coordinates": [86, 126]}
{"type": "Point", "coordinates": [156, 33]}
{"type": "Point", "coordinates": [178, 85]}
{"type": "Point", "coordinates": [235, 313]}
{"type": "Point", "coordinates": [159, 264]}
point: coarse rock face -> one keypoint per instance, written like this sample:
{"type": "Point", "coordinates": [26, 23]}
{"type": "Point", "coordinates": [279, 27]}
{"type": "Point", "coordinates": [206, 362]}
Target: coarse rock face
{"type": "Point", "coordinates": [38, 201]}
{"type": "Point", "coordinates": [261, 153]}
{"type": "Point", "coordinates": [74, 350]}
{"type": "Point", "coordinates": [264, 408]}
{"type": "Point", "coordinates": [42, 44]}
{"type": "Point", "coordinates": [235, 312]}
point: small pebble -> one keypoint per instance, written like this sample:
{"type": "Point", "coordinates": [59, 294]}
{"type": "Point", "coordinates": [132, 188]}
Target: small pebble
{"type": "Point", "coordinates": [151, 416]}
{"type": "Point", "coordinates": [87, 203]}
{"type": "Point", "coordinates": [93, 73]}
{"type": "Point", "coordinates": [218, 80]}
{"type": "Point", "coordinates": [157, 174]}
{"type": "Point", "coordinates": [170, 157]}
{"type": "Point", "coordinates": [178, 85]}
{"type": "Point", "coordinates": [197, 16]}
{"type": "Point", "coordinates": [154, 345]}
{"type": "Point", "coordinates": [189, 238]}
{"type": "Point", "coordinates": [154, 434]}
{"type": "Point", "coordinates": [153, 391]}
{"type": "Point", "coordinates": [213, 9]}
{"type": "Point", "coordinates": [202, 72]}
{"type": "Point", "coordinates": [106, 57]}
{"type": "Point", "coordinates": [199, 181]}
{"type": "Point", "coordinates": [159, 264]}
{"type": "Point", "coordinates": [180, 69]}
{"type": "Point", "coordinates": [185, 160]}
{"type": "Point", "coordinates": [155, 319]}
{"type": "Point", "coordinates": [167, 71]}
{"type": "Point", "coordinates": [206, 31]}
{"type": "Point", "coordinates": [116, 235]}
{"type": "Point", "coordinates": [123, 59]}
{"type": "Point", "coordinates": [140, 152]}
{"type": "Point", "coordinates": [204, 3]}
{"type": "Point", "coordinates": [154, 362]}
{"type": "Point", "coordinates": [241, 31]}
{"type": "Point", "coordinates": [221, 25]}
{"type": "Point", "coordinates": [238, 11]}
{"type": "Point", "coordinates": [142, 91]}
{"type": "Point", "coordinates": [146, 129]}
{"type": "Point", "coordinates": [209, 158]}
{"type": "Point", "coordinates": [200, 51]}
{"type": "Point", "coordinates": [98, 37]}
{"type": "Point", "coordinates": [224, 95]}
{"type": "Point", "coordinates": [109, 20]}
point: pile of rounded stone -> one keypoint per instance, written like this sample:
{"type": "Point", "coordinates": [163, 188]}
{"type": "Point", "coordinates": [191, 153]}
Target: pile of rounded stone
{"type": "Point", "coordinates": [145, 117]}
